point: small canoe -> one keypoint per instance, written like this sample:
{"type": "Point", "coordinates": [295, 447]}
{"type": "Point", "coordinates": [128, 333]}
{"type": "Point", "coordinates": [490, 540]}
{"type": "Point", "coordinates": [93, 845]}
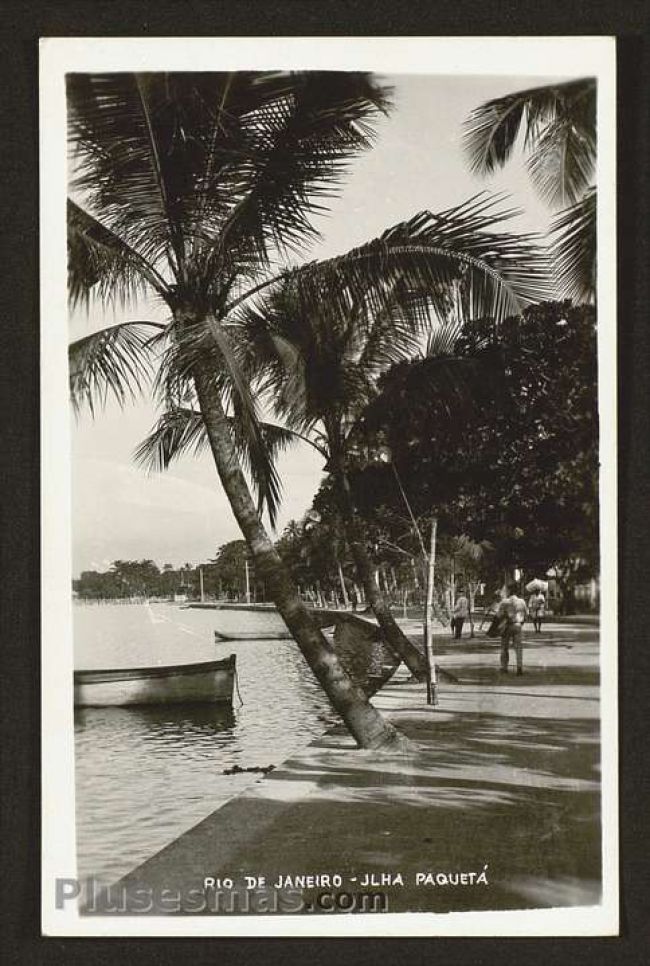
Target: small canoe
{"type": "Point", "coordinates": [207, 681]}
{"type": "Point", "coordinates": [261, 635]}
{"type": "Point", "coordinates": [274, 629]}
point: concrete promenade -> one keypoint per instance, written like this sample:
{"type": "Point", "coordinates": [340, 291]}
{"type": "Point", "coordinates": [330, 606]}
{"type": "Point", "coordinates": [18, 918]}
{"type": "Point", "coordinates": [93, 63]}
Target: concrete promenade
{"type": "Point", "coordinates": [504, 774]}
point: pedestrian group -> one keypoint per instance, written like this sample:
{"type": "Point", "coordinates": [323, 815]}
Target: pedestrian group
{"type": "Point", "coordinates": [508, 616]}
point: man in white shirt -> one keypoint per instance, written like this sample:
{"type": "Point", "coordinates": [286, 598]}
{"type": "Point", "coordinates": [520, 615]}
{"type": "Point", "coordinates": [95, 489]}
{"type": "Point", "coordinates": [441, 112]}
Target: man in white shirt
{"type": "Point", "coordinates": [514, 609]}
{"type": "Point", "coordinates": [536, 607]}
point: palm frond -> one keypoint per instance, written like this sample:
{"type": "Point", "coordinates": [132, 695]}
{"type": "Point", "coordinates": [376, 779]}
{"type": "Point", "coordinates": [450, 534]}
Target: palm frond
{"type": "Point", "coordinates": [181, 431]}
{"type": "Point", "coordinates": [491, 131]}
{"type": "Point", "coordinates": [204, 173]}
{"type": "Point", "coordinates": [274, 360]}
{"type": "Point", "coordinates": [390, 334]}
{"type": "Point", "coordinates": [316, 367]}
{"type": "Point", "coordinates": [178, 432]}
{"type": "Point", "coordinates": [442, 340]}
{"type": "Point", "coordinates": [297, 143]}
{"type": "Point", "coordinates": [183, 348]}
{"type": "Point", "coordinates": [574, 249]}
{"type": "Point", "coordinates": [559, 124]}
{"type": "Point", "coordinates": [122, 127]}
{"type": "Point", "coordinates": [101, 262]}
{"type": "Point", "coordinates": [117, 361]}
{"type": "Point", "coordinates": [500, 272]}
{"type": "Point", "coordinates": [258, 451]}
{"type": "Point", "coordinates": [562, 165]}
{"type": "Point", "coordinates": [317, 339]}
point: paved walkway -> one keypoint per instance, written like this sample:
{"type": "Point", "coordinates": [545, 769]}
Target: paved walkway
{"type": "Point", "coordinates": [505, 774]}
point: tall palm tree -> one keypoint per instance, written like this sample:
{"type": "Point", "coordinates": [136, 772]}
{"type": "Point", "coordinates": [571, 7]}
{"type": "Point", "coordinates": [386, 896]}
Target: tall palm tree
{"type": "Point", "coordinates": [559, 138]}
{"type": "Point", "coordinates": [318, 359]}
{"type": "Point", "coordinates": [188, 187]}
{"type": "Point", "coordinates": [318, 368]}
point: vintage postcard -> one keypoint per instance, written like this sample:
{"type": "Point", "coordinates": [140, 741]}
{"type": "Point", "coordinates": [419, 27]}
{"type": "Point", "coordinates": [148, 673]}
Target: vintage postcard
{"type": "Point", "coordinates": [329, 487]}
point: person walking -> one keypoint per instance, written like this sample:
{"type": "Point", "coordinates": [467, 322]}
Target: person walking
{"type": "Point", "coordinates": [513, 609]}
{"type": "Point", "coordinates": [461, 613]}
{"type": "Point", "coordinates": [536, 608]}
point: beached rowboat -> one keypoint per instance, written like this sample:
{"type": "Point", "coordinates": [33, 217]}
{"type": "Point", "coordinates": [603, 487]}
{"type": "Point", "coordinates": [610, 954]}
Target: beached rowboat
{"type": "Point", "coordinates": [207, 681]}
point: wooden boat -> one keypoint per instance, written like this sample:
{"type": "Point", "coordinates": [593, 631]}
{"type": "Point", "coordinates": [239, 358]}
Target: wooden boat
{"type": "Point", "coordinates": [261, 635]}
{"type": "Point", "coordinates": [207, 681]}
{"type": "Point", "coordinates": [219, 605]}
{"type": "Point", "coordinates": [274, 628]}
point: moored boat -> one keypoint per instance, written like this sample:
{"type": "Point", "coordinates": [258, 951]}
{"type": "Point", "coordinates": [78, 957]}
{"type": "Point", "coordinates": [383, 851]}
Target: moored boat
{"type": "Point", "coordinates": [261, 635]}
{"type": "Point", "coordinates": [206, 682]}
{"type": "Point", "coordinates": [228, 605]}
{"type": "Point", "coordinates": [273, 628]}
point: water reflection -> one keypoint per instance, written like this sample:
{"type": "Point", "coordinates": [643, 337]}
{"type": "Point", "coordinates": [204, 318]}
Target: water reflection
{"type": "Point", "coordinates": [171, 722]}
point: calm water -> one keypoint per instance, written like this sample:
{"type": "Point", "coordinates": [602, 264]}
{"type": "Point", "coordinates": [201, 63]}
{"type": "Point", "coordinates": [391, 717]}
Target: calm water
{"type": "Point", "coordinates": [144, 775]}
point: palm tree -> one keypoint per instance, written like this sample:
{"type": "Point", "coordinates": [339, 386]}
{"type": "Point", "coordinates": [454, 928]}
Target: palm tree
{"type": "Point", "coordinates": [320, 361]}
{"type": "Point", "coordinates": [317, 359]}
{"type": "Point", "coordinates": [187, 187]}
{"type": "Point", "coordinates": [318, 369]}
{"type": "Point", "coordinates": [559, 125]}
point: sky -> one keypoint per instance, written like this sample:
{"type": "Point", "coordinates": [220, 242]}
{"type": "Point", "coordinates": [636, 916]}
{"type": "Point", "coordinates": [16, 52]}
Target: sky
{"type": "Point", "coordinates": [182, 516]}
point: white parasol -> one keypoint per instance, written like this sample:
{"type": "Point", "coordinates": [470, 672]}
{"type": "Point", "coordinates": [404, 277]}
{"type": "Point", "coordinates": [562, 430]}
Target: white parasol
{"type": "Point", "coordinates": [537, 585]}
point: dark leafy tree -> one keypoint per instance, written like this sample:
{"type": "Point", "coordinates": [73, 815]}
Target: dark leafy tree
{"type": "Point", "coordinates": [513, 458]}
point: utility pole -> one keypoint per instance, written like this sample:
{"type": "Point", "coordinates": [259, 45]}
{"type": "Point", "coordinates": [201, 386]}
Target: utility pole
{"type": "Point", "coordinates": [429, 561]}
{"type": "Point", "coordinates": [248, 584]}
{"type": "Point", "coordinates": [428, 617]}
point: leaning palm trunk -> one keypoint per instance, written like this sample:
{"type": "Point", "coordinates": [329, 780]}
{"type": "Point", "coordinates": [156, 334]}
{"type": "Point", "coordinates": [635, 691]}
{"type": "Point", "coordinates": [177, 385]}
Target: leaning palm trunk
{"type": "Point", "coordinates": [365, 723]}
{"type": "Point", "coordinates": [394, 636]}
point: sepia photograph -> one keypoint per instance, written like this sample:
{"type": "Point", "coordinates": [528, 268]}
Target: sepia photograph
{"type": "Point", "coordinates": [329, 486]}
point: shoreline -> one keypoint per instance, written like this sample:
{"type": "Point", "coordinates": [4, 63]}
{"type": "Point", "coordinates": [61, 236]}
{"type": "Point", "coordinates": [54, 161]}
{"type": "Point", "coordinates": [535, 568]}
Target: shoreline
{"type": "Point", "coordinates": [511, 765]}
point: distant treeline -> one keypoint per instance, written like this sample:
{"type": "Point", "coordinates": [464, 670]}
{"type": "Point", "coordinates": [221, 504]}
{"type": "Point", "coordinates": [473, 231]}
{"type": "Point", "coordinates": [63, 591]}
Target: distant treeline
{"type": "Point", "coordinates": [131, 578]}
{"type": "Point", "coordinates": [223, 577]}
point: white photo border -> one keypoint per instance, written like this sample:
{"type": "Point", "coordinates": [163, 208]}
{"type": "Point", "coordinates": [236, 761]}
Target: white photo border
{"type": "Point", "coordinates": [469, 56]}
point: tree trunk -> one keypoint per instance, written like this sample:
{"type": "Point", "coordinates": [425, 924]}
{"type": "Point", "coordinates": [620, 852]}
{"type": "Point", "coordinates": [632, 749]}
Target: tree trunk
{"type": "Point", "coordinates": [365, 723]}
{"type": "Point", "coordinates": [569, 601]}
{"type": "Point", "coordinates": [346, 602]}
{"type": "Point", "coordinates": [395, 638]}
{"type": "Point", "coordinates": [472, 588]}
